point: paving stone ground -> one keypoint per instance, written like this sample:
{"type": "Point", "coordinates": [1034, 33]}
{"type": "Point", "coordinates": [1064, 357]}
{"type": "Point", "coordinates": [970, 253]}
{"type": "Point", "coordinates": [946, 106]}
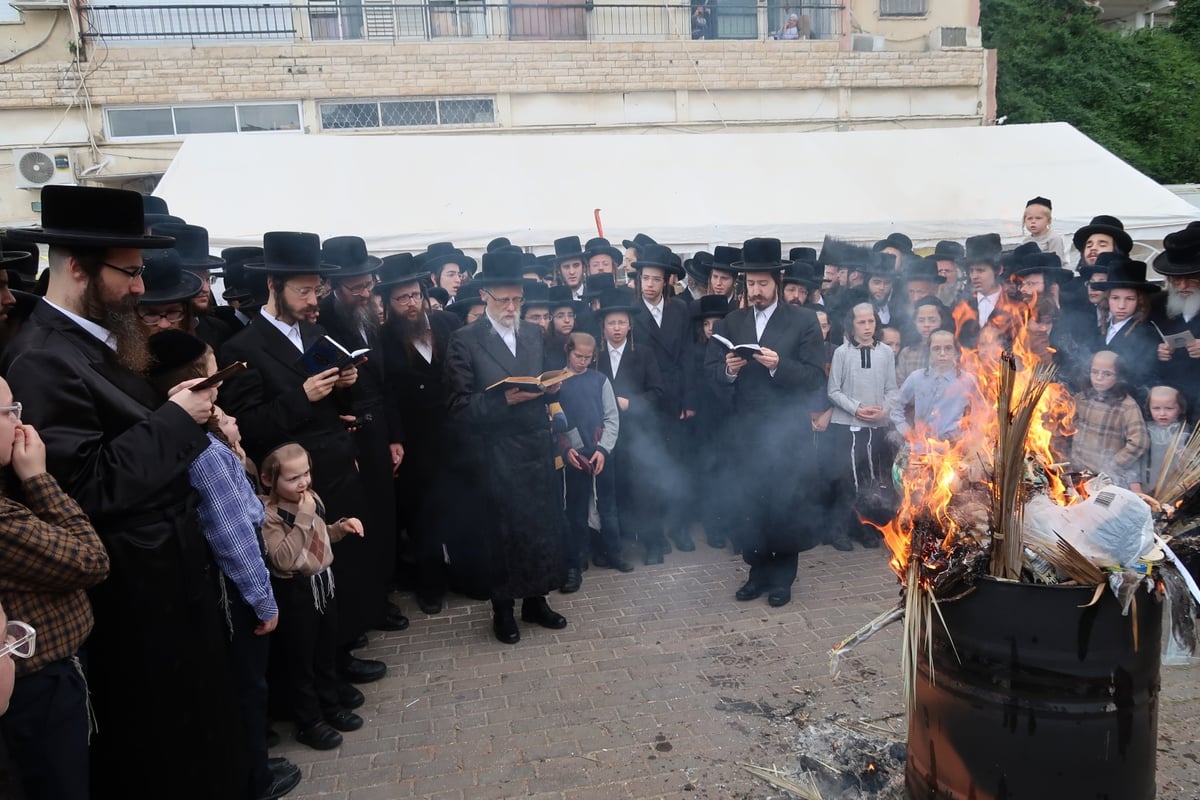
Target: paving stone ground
{"type": "Point", "coordinates": [659, 687]}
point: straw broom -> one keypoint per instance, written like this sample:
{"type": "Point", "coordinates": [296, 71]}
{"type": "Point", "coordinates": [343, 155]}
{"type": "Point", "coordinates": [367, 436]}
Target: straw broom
{"type": "Point", "coordinates": [1181, 472]}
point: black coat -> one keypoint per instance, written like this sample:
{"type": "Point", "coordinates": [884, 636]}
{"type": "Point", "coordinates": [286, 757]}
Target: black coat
{"type": "Point", "coordinates": [415, 389]}
{"type": "Point", "coordinates": [1182, 371]}
{"type": "Point", "coordinates": [1136, 345]}
{"type": "Point", "coordinates": [509, 468]}
{"type": "Point", "coordinates": [269, 401]}
{"type": "Point", "coordinates": [668, 344]}
{"type": "Point", "coordinates": [211, 330]}
{"type": "Point", "coordinates": [158, 673]}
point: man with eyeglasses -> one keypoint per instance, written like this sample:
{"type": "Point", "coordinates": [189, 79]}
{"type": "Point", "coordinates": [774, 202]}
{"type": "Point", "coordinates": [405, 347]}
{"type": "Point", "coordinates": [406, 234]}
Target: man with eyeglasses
{"type": "Point", "coordinates": [166, 302]}
{"type": "Point", "coordinates": [277, 402]}
{"type": "Point", "coordinates": [51, 555]}
{"type": "Point", "coordinates": [520, 527]}
{"type": "Point", "coordinates": [1176, 313]}
{"type": "Point", "coordinates": [123, 455]}
{"type": "Point", "coordinates": [191, 243]}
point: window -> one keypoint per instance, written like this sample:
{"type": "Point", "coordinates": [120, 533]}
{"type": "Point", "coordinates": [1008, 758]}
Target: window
{"type": "Point", "coordinates": [431, 112]}
{"type": "Point", "coordinates": [902, 8]}
{"type": "Point", "coordinates": [175, 121]}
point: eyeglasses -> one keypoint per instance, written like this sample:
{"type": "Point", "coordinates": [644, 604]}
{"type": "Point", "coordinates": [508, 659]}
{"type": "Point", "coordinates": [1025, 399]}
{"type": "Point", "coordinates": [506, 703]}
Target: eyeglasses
{"type": "Point", "coordinates": [151, 318]}
{"type": "Point", "coordinates": [132, 273]}
{"type": "Point", "coordinates": [361, 289]}
{"type": "Point", "coordinates": [405, 299]}
{"type": "Point", "coordinates": [303, 292]}
{"type": "Point", "coordinates": [1103, 373]}
{"type": "Point", "coordinates": [535, 317]}
{"type": "Point", "coordinates": [14, 410]}
{"type": "Point", "coordinates": [560, 315]}
{"type": "Point", "coordinates": [19, 641]}
{"type": "Point", "coordinates": [506, 301]}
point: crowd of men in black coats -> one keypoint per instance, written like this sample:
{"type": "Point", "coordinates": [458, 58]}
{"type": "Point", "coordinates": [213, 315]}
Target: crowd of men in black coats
{"type": "Point", "coordinates": [716, 367]}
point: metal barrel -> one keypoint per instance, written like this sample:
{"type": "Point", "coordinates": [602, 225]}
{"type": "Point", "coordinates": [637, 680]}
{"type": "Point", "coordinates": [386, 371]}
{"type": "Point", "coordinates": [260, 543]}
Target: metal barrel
{"type": "Point", "coordinates": [1045, 699]}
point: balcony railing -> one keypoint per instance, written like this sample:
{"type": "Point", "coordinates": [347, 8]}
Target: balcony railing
{"type": "Point", "coordinates": [341, 20]}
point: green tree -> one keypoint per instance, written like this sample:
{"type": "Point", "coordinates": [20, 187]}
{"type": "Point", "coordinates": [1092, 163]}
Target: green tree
{"type": "Point", "coordinates": [1131, 93]}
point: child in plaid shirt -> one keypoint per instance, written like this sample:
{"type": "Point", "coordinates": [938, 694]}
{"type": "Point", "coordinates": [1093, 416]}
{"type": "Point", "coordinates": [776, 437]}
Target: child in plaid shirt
{"type": "Point", "coordinates": [1110, 434]}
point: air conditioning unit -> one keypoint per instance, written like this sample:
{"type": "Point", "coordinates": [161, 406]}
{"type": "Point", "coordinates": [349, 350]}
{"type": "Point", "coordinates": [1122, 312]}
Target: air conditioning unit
{"type": "Point", "coordinates": [943, 38]}
{"type": "Point", "coordinates": [866, 43]}
{"type": "Point", "coordinates": [43, 167]}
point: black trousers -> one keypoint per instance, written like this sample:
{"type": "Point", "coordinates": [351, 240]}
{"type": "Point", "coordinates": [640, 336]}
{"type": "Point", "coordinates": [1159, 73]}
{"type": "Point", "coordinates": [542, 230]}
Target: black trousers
{"type": "Point", "coordinates": [46, 730]}
{"type": "Point", "coordinates": [248, 655]}
{"type": "Point", "coordinates": [579, 495]}
{"type": "Point", "coordinates": [773, 569]}
{"type": "Point", "coordinates": [639, 507]}
{"type": "Point", "coordinates": [303, 650]}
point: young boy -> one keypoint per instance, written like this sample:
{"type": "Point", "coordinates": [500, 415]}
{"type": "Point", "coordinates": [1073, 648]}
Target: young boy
{"type": "Point", "coordinates": [892, 338]}
{"type": "Point", "coordinates": [1110, 435]}
{"type": "Point", "coordinates": [929, 315]}
{"type": "Point", "coordinates": [1167, 410]}
{"type": "Point", "coordinates": [940, 394]}
{"type": "Point", "coordinates": [1037, 221]}
{"type": "Point", "coordinates": [300, 554]}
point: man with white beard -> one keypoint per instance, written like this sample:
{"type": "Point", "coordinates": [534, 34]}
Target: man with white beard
{"type": "Point", "coordinates": [1177, 311]}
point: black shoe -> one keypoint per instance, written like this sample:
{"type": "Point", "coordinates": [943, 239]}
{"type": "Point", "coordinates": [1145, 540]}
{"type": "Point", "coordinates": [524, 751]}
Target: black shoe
{"type": "Point", "coordinates": [349, 697]}
{"type": "Point", "coordinates": [665, 546]}
{"type": "Point", "coordinates": [654, 555]}
{"type": "Point", "coordinates": [320, 736]}
{"type": "Point", "coordinates": [715, 541]}
{"type": "Point", "coordinates": [601, 560]}
{"type": "Point", "coordinates": [273, 738]}
{"type": "Point", "coordinates": [573, 582]}
{"type": "Point", "coordinates": [344, 721]}
{"type": "Point", "coordinates": [540, 613]}
{"type": "Point", "coordinates": [683, 540]}
{"type": "Point", "coordinates": [429, 604]}
{"type": "Point", "coordinates": [393, 620]}
{"type": "Point", "coordinates": [871, 540]}
{"type": "Point", "coordinates": [749, 591]}
{"type": "Point", "coordinates": [842, 543]}
{"type": "Point", "coordinates": [505, 628]}
{"type": "Point", "coordinates": [359, 670]}
{"type": "Point", "coordinates": [359, 643]}
{"type": "Point", "coordinates": [285, 776]}
{"type": "Point", "coordinates": [621, 565]}
{"type": "Point", "coordinates": [779, 596]}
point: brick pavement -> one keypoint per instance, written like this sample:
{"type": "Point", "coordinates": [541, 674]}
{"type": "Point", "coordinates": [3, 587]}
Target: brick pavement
{"type": "Point", "coordinates": [659, 687]}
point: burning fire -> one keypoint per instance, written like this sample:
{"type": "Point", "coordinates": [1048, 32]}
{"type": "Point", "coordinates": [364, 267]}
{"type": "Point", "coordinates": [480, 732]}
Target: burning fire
{"type": "Point", "coordinates": [940, 470]}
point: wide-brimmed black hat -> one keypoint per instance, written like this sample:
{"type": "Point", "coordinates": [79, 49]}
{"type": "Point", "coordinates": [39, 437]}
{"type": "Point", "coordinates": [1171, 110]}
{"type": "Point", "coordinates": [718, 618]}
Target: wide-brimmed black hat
{"type": "Point", "coordinates": [567, 248]}
{"type": "Point", "coordinates": [638, 242]}
{"type": "Point", "coordinates": [171, 349]}
{"type": "Point", "coordinates": [292, 253]}
{"type": "Point", "coordinates": [985, 248]}
{"type": "Point", "coordinates": [675, 262]}
{"type": "Point", "coordinates": [600, 246]}
{"type": "Point", "coordinates": [166, 280]}
{"type": "Point", "coordinates": [808, 254]}
{"type": "Point", "coordinates": [1048, 264]}
{"type": "Point", "coordinates": [239, 284]}
{"type": "Point", "coordinates": [1181, 252]}
{"type": "Point", "coordinates": [724, 257]}
{"type": "Point", "coordinates": [90, 216]}
{"type": "Point", "coordinates": [802, 273]}
{"type": "Point", "coordinates": [349, 253]}
{"type": "Point", "coordinates": [597, 285]}
{"type": "Point", "coordinates": [895, 240]}
{"type": "Point", "coordinates": [925, 269]}
{"type": "Point", "coordinates": [761, 254]}
{"type": "Point", "coordinates": [191, 242]}
{"type": "Point", "coordinates": [699, 266]}
{"type": "Point", "coordinates": [537, 294]}
{"type": "Point", "coordinates": [947, 250]}
{"type": "Point", "coordinates": [399, 269]}
{"type": "Point", "coordinates": [154, 205]}
{"type": "Point", "coordinates": [711, 305]}
{"type": "Point", "coordinates": [504, 267]}
{"type": "Point", "coordinates": [1104, 223]}
{"type": "Point", "coordinates": [149, 221]}
{"type": "Point", "coordinates": [618, 298]}
{"type": "Point", "coordinates": [845, 255]}
{"type": "Point", "coordinates": [439, 295]}
{"type": "Point", "coordinates": [466, 299]}
{"type": "Point", "coordinates": [543, 265]}
{"type": "Point", "coordinates": [22, 261]}
{"type": "Point", "coordinates": [561, 297]}
{"type": "Point", "coordinates": [1012, 260]}
{"type": "Point", "coordinates": [439, 254]}
{"type": "Point", "coordinates": [1125, 273]}
{"type": "Point", "coordinates": [660, 256]}
{"type": "Point", "coordinates": [497, 243]}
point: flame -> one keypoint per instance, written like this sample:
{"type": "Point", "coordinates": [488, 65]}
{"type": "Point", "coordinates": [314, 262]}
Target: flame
{"type": "Point", "coordinates": [938, 470]}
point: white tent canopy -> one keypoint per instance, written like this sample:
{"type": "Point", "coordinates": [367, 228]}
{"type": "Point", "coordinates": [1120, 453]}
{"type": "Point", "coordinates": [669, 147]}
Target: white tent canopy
{"type": "Point", "coordinates": [689, 190]}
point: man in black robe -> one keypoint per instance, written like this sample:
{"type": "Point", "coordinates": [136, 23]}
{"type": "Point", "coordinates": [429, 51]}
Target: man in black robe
{"type": "Point", "coordinates": [191, 243]}
{"type": "Point", "coordinates": [511, 463]}
{"type": "Point", "coordinates": [1176, 312]}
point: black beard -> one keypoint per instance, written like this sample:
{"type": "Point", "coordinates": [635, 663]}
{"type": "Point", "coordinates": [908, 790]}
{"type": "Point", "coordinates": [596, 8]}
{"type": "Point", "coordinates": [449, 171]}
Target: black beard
{"type": "Point", "coordinates": [121, 320]}
{"type": "Point", "coordinates": [356, 318]}
{"type": "Point", "coordinates": [406, 330]}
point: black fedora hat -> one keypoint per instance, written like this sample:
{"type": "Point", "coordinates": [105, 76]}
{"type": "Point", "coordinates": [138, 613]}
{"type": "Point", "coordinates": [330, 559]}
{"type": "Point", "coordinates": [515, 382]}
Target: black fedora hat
{"type": "Point", "coordinates": [1104, 223]}
{"type": "Point", "coordinates": [440, 295]}
{"type": "Point", "coordinates": [699, 266]}
{"type": "Point", "coordinates": [151, 220]}
{"type": "Point", "coordinates": [845, 255]}
{"type": "Point", "coordinates": [166, 280]}
{"type": "Point", "coordinates": [1181, 252]}
{"type": "Point", "coordinates": [497, 243]}
{"type": "Point", "coordinates": [924, 269]}
{"type": "Point", "coordinates": [537, 294]}
{"type": "Point", "coordinates": [985, 248]}
{"type": "Point", "coordinates": [89, 216]}
{"type": "Point", "coordinates": [349, 253]}
{"type": "Point", "coordinates": [802, 273]}
{"type": "Point", "coordinates": [711, 305]}
{"type": "Point", "coordinates": [171, 349]}
{"type": "Point", "coordinates": [660, 257]}
{"type": "Point", "coordinates": [1125, 273]}
{"type": "Point", "coordinates": [808, 254]}
{"type": "Point", "coordinates": [762, 255]}
{"type": "Point", "coordinates": [675, 262]}
{"type": "Point", "coordinates": [191, 242]}
{"type": "Point", "coordinates": [600, 246]}
{"type": "Point", "coordinates": [567, 248]}
{"type": "Point", "coordinates": [504, 267]}
{"type": "Point", "coordinates": [466, 299]}
{"type": "Point", "coordinates": [1047, 264]}
{"type": "Point", "coordinates": [618, 298]}
{"type": "Point", "coordinates": [724, 257]}
{"type": "Point", "coordinates": [21, 260]}
{"type": "Point", "coordinates": [1012, 260]}
{"type": "Point", "coordinates": [154, 205]}
{"type": "Point", "coordinates": [597, 285]}
{"type": "Point", "coordinates": [637, 242]}
{"type": "Point", "coordinates": [439, 254]}
{"type": "Point", "coordinates": [292, 253]}
{"type": "Point", "coordinates": [399, 269]}
{"type": "Point", "coordinates": [543, 265]}
{"type": "Point", "coordinates": [895, 240]}
{"type": "Point", "coordinates": [947, 250]}
{"type": "Point", "coordinates": [1088, 271]}
{"type": "Point", "coordinates": [239, 284]}
{"type": "Point", "coordinates": [561, 297]}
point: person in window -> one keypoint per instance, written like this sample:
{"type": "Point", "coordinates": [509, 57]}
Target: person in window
{"type": "Point", "coordinates": [790, 29]}
{"type": "Point", "coordinates": [702, 23]}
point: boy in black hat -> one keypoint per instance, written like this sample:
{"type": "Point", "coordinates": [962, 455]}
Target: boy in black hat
{"type": "Point", "coordinates": [722, 277]}
{"type": "Point", "coordinates": [1128, 334]}
{"type": "Point", "coordinates": [166, 303]}
{"type": "Point", "coordinates": [448, 265]}
{"type": "Point", "coordinates": [569, 264]}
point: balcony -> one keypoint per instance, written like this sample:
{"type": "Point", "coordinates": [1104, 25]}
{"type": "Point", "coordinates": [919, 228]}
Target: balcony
{"type": "Point", "coordinates": [430, 20]}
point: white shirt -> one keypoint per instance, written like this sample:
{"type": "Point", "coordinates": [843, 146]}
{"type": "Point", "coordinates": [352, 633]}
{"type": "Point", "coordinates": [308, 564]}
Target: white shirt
{"type": "Point", "coordinates": [100, 332]}
{"type": "Point", "coordinates": [292, 332]}
{"type": "Point", "coordinates": [987, 304]}
{"type": "Point", "coordinates": [656, 311]}
{"type": "Point", "coordinates": [614, 356]}
{"type": "Point", "coordinates": [241, 317]}
{"type": "Point", "coordinates": [425, 348]}
{"type": "Point", "coordinates": [578, 293]}
{"type": "Point", "coordinates": [509, 335]}
{"type": "Point", "coordinates": [761, 318]}
{"type": "Point", "coordinates": [1113, 328]}
{"type": "Point", "coordinates": [884, 313]}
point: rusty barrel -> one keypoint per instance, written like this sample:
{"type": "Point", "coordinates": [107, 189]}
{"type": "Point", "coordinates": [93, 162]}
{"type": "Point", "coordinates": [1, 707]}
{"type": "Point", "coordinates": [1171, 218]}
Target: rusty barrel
{"type": "Point", "coordinates": [1045, 699]}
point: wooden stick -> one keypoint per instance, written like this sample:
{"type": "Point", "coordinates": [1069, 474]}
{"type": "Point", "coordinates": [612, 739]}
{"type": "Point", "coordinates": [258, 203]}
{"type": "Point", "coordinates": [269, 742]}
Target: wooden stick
{"type": "Point", "coordinates": [599, 225]}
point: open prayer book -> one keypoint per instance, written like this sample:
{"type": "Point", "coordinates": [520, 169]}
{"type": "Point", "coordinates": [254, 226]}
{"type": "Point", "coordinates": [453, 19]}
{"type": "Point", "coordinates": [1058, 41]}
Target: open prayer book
{"type": "Point", "coordinates": [325, 354]}
{"type": "Point", "coordinates": [743, 350]}
{"type": "Point", "coordinates": [527, 384]}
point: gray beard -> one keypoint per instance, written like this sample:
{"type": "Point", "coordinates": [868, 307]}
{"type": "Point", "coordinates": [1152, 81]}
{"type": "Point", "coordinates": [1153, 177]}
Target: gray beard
{"type": "Point", "coordinates": [357, 318]}
{"type": "Point", "coordinates": [1178, 305]}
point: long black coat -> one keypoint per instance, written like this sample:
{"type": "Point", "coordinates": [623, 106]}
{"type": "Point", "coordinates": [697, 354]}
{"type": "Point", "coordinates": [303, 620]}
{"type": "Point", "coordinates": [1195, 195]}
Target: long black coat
{"type": "Point", "coordinates": [269, 401]}
{"type": "Point", "coordinates": [668, 344]}
{"type": "Point", "coordinates": [1182, 371]}
{"type": "Point", "coordinates": [157, 668]}
{"type": "Point", "coordinates": [510, 466]}
{"type": "Point", "coordinates": [772, 424]}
